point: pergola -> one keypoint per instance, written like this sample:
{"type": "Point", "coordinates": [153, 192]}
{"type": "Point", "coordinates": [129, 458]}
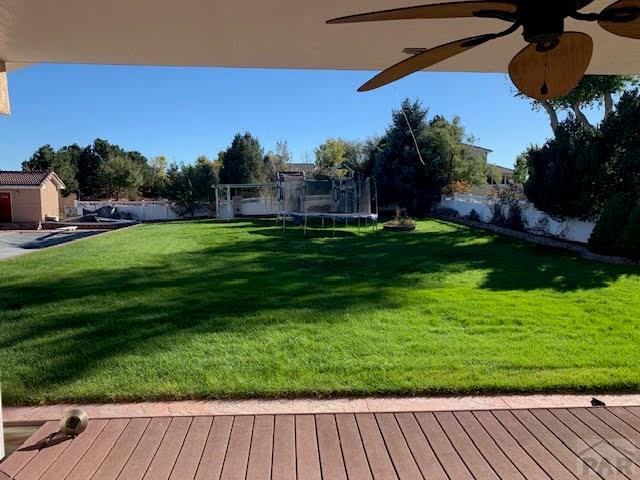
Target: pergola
{"type": "Point", "coordinates": [257, 33]}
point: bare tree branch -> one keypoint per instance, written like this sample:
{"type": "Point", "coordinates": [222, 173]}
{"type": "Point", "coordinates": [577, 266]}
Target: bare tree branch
{"type": "Point", "coordinates": [553, 115]}
{"type": "Point", "coordinates": [608, 104]}
{"type": "Point", "coordinates": [582, 118]}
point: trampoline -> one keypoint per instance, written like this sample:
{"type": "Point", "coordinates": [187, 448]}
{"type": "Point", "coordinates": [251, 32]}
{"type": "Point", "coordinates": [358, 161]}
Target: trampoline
{"type": "Point", "coordinates": [337, 200]}
{"type": "Point", "coordinates": [359, 218]}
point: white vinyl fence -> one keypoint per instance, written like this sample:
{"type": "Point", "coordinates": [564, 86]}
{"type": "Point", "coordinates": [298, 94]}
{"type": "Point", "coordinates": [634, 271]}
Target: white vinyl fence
{"type": "Point", "coordinates": [536, 222]}
{"type": "Point", "coordinates": [142, 211]}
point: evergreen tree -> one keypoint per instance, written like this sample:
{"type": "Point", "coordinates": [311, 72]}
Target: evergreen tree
{"type": "Point", "coordinates": [243, 162]}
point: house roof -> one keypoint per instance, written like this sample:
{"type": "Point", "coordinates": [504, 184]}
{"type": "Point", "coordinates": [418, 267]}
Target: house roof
{"type": "Point", "coordinates": [258, 33]}
{"type": "Point", "coordinates": [9, 178]}
{"type": "Point", "coordinates": [503, 170]}
{"type": "Point", "coordinates": [476, 147]}
{"type": "Point", "coordinates": [306, 168]}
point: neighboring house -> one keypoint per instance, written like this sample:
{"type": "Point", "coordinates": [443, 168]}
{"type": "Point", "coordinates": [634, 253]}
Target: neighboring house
{"type": "Point", "coordinates": [27, 197]}
{"type": "Point", "coordinates": [505, 176]}
{"type": "Point", "coordinates": [308, 169]}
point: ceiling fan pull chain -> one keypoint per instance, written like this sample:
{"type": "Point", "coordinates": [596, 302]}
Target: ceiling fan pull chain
{"type": "Point", "coordinates": [545, 88]}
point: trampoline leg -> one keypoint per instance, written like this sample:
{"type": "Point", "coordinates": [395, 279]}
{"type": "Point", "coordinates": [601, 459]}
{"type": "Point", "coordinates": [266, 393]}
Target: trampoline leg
{"type": "Point", "coordinates": [334, 227]}
{"type": "Point", "coordinates": [358, 223]}
{"type": "Point", "coordinates": [305, 226]}
{"type": "Point", "coordinates": [322, 222]}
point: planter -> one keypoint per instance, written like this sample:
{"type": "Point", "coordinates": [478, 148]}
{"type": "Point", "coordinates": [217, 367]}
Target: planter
{"type": "Point", "coordinates": [398, 227]}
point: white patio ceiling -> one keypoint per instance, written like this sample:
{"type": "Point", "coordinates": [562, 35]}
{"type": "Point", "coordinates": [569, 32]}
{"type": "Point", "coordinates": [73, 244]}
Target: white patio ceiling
{"type": "Point", "coordinates": [260, 33]}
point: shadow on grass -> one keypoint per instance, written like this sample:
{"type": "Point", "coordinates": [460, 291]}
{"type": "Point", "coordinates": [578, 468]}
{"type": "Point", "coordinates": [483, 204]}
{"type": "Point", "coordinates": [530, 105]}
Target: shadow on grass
{"type": "Point", "coordinates": [241, 286]}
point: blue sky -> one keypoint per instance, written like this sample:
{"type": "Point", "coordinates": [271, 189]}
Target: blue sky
{"type": "Point", "coordinates": [186, 112]}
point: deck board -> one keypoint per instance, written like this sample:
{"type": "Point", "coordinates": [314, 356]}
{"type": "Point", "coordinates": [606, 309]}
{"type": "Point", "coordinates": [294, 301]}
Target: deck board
{"type": "Point", "coordinates": [76, 450]}
{"type": "Point", "coordinates": [101, 447]}
{"type": "Point", "coordinates": [355, 458]}
{"type": "Point", "coordinates": [565, 445]}
{"type": "Point", "coordinates": [422, 452]}
{"type": "Point", "coordinates": [122, 450]}
{"type": "Point", "coordinates": [596, 442]}
{"type": "Point", "coordinates": [447, 454]}
{"type": "Point", "coordinates": [500, 463]}
{"type": "Point", "coordinates": [215, 449]}
{"type": "Point", "coordinates": [331, 460]}
{"type": "Point", "coordinates": [377, 454]}
{"type": "Point", "coordinates": [237, 458]}
{"type": "Point", "coordinates": [532, 444]}
{"type": "Point", "coordinates": [168, 450]}
{"type": "Point", "coordinates": [145, 451]}
{"type": "Point", "coordinates": [261, 452]}
{"type": "Point", "coordinates": [308, 457]}
{"type": "Point", "coordinates": [511, 448]}
{"type": "Point", "coordinates": [284, 448]}
{"type": "Point", "coordinates": [191, 453]}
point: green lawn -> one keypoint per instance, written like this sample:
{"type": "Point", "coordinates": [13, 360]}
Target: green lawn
{"type": "Point", "coordinates": [210, 310]}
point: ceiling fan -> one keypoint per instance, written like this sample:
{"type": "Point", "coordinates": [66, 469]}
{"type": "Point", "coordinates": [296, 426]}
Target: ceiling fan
{"type": "Point", "coordinates": [551, 65]}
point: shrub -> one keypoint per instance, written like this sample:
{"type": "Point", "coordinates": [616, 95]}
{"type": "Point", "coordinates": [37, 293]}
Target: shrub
{"type": "Point", "coordinates": [457, 187]}
{"type": "Point", "coordinates": [497, 215]}
{"type": "Point", "coordinates": [628, 243]}
{"type": "Point", "coordinates": [611, 224]}
{"type": "Point", "coordinates": [474, 216]}
{"type": "Point", "coordinates": [447, 213]}
{"type": "Point", "coordinates": [514, 219]}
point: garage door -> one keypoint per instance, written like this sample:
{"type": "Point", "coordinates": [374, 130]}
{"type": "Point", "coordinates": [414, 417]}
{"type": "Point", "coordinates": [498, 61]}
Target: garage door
{"type": "Point", "coordinates": [5, 207]}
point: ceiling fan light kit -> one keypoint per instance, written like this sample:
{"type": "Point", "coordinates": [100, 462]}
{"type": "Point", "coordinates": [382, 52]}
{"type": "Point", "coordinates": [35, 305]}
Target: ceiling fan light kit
{"type": "Point", "coordinates": [551, 65]}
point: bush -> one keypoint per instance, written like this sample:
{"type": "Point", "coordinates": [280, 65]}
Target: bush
{"type": "Point", "coordinates": [514, 219]}
{"type": "Point", "coordinates": [612, 222]}
{"type": "Point", "coordinates": [457, 187]}
{"type": "Point", "coordinates": [474, 216]}
{"type": "Point", "coordinates": [628, 243]}
{"type": "Point", "coordinates": [446, 213]}
{"type": "Point", "coordinates": [497, 215]}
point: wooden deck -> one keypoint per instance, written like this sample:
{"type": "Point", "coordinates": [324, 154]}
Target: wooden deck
{"type": "Point", "coordinates": [580, 443]}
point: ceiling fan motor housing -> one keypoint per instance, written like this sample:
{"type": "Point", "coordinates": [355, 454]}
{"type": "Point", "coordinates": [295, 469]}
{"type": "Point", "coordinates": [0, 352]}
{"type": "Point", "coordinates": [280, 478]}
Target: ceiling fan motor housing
{"type": "Point", "coordinates": [543, 21]}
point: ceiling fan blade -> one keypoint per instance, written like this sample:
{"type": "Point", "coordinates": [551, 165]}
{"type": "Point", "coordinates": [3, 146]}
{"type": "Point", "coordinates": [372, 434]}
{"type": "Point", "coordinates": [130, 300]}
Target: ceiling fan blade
{"type": "Point", "coordinates": [505, 10]}
{"type": "Point", "coordinates": [622, 18]}
{"type": "Point", "coordinates": [423, 60]}
{"type": "Point", "coordinates": [548, 75]}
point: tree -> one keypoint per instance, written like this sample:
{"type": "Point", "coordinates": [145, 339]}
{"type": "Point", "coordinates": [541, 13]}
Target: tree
{"type": "Point", "coordinates": [611, 224]}
{"type": "Point", "coordinates": [563, 172]}
{"type": "Point", "coordinates": [242, 162]}
{"type": "Point", "coordinates": [275, 162]}
{"type": "Point", "coordinates": [331, 153]}
{"type": "Point", "coordinates": [154, 175]}
{"type": "Point", "coordinates": [591, 91]}
{"type": "Point", "coordinates": [89, 164]}
{"type": "Point", "coordinates": [415, 159]}
{"type": "Point", "coordinates": [118, 175]}
{"type": "Point", "coordinates": [203, 177]}
{"type": "Point", "coordinates": [335, 151]}
{"type": "Point", "coordinates": [191, 186]}
{"type": "Point", "coordinates": [575, 173]}
{"type": "Point", "coordinates": [282, 152]}
{"type": "Point", "coordinates": [63, 162]}
{"type": "Point", "coordinates": [521, 170]}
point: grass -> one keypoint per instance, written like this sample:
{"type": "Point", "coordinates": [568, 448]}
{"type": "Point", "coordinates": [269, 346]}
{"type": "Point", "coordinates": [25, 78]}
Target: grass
{"type": "Point", "coordinates": [211, 310]}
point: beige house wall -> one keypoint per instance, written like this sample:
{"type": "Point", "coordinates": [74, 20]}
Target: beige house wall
{"type": "Point", "coordinates": [50, 200]}
{"type": "Point", "coordinates": [25, 204]}
{"type": "Point", "coordinates": [34, 204]}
